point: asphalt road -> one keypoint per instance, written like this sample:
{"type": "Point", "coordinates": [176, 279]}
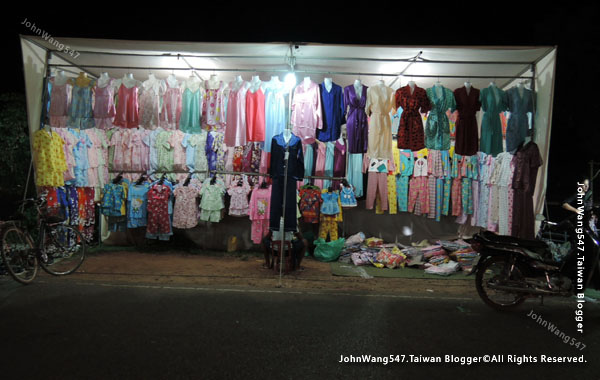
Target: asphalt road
{"type": "Point", "coordinates": [57, 329]}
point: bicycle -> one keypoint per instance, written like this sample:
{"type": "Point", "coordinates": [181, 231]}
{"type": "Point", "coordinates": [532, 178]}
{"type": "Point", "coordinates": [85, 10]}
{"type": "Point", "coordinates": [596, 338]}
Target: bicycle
{"type": "Point", "coordinates": [59, 248]}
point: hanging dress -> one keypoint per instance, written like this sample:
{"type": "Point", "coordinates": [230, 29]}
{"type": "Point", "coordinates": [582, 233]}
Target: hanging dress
{"type": "Point", "coordinates": [81, 113]}
{"type": "Point", "coordinates": [493, 102]}
{"type": "Point", "coordinates": [410, 131]}
{"type": "Point", "coordinates": [213, 108]}
{"type": "Point", "coordinates": [357, 127]}
{"type": "Point", "coordinates": [333, 112]}
{"type": "Point", "coordinates": [60, 97]}
{"type": "Point", "coordinates": [126, 113]}
{"type": "Point", "coordinates": [171, 107]}
{"type": "Point", "coordinates": [275, 113]}
{"type": "Point", "coordinates": [378, 107]}
{"type": "Point", "coordinates": [306, 112]}
{"type": "Point", "coordinates": [437, 127]}
{"type": "Point", "coordinates": [467, 131]}
{"type": "Point", "coordinates": [104, 105]}
{"type": "Point", "coordinates": [191, 110]}
{"type": "Point", "coordinates": [235, 129]}
{"type": "Point", "coordinates": [519, 103]}
{"type": "Point", "coordinates": [151, 92]}
{"type": "Point", "coordinates": [255, 115]}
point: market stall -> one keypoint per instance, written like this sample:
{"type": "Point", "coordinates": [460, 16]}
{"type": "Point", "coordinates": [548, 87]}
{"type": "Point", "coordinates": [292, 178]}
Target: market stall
{"type": "Point", "coordinates": [422, 137]}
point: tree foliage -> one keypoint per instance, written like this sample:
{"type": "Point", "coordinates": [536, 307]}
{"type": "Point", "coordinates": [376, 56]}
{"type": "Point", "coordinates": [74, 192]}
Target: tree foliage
{"type": "Point", "coordinates": [15, 152]}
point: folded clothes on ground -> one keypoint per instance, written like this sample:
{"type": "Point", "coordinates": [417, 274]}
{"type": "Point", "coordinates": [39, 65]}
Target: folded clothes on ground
{"type": "Point", "coordinates": [444, 269]}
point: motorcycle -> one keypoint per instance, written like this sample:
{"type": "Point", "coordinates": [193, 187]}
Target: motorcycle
{"type": "Point", "coordinates": [511, 270]}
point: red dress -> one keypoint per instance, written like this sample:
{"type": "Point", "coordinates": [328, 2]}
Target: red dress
{"type": "Point", "coordinates": [410, 132]}
{"type": "Point", "coordinates": [159, 222]}
{"type": "Point", "coordinates": [467, 135]}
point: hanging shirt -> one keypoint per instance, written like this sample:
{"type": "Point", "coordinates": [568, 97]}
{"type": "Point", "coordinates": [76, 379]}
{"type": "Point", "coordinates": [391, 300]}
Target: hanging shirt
{"type": "Point", "coordinates": [437, 127]}
{"type": "Point", "coordinates": [275, 112]}
{"type": "Point", "coordinates": [81, 113]}
{"type": "Point", "coordinates": [185, 212]}
{"type": "Point", "coordinates": [379, 105]}
{"type": "Point", "coordinates": [306, 112]}
{"type": "Point", "coordinates": [137, 205]}
{"type": "Point", "coordinates": [48, 158]}
{"type": "Point", "coordinates": [357, 122]}
{"type": "Point", "coordinates": [333, 112]}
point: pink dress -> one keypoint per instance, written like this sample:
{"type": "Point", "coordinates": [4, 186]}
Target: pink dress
{"type": "Point", "coordinates": [238, 205]}
{"type": "Point", "coordinates": [171, 109]}
{"type": "Point", "coordinates": [175, 141]}
{"type": "Point", "coordinates": [136, 145]}
{"type": "Point", "coordinates": [60, 98]}
{"type": "Point", "coordinates": [119, 155]}
{"type": "Point", "coordinates": [104, 106]}
{"type": "Point", "coordinates": [68, 146]}
{"type": "Point", "coordinates": [235, 129]}
{"type": "Point", "coordinates": [185, 211]}
{"type": "Point", "coordinates": [255, 115]}
{"type": "Point", "coordinates": [259, 212]}
{"type": "Point", "coordinates": [320, 163]}
{"type": "Point", "coordinates": [126, 113]}
{"type": "Point", "coordinates": [306, 112]}
{"type": "Point", "coordinates": [93, 157]}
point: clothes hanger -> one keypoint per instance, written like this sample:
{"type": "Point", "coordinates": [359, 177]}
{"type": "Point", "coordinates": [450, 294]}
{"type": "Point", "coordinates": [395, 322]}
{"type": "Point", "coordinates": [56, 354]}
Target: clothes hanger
{"type": "Point", "coordinates": [118, 178]}
{"type": "Point", "coordinates": [141, 179]}
{"type": "Point", "coordinates": [187, 180]}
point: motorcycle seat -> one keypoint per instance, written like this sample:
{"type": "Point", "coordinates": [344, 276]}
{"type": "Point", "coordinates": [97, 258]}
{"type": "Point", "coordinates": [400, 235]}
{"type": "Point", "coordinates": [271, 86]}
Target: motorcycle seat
{"type": "Point", "coordinates": [534, 245]}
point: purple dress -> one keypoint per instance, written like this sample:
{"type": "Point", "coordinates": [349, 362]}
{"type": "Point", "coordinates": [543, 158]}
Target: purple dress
{"type": "Point", "coordinates": [357, 125]}
{"type": "Point", "coordinates": [339, 163]}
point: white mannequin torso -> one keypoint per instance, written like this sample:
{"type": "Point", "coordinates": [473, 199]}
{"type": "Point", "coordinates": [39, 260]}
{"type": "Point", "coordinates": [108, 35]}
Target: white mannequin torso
{"type": "Point", "coordinates": [60, 78]}
{"type": "Point", "coordinates": [328, 84]}
{"type": "Point", "coordinates": [129, 81]}
{"type": "Point", "coordinates": [411, 84]}
{"type": "Point", "coordinates": [103, 81]}
{"type": "Point", "coordinates": [468, 87]}
{"type": "Point", "coordinates": [306, 83]}
{"type": "Point", "coordinates": [287, 135]}
{"type": "Point", "coordinates": [172, 81]}
{"type": "Point", "coordinates": [255, 84]}
{"type": "Point", "coordinates": [213, 83]}
{"type": "Point", "coordinates": [358, 88]}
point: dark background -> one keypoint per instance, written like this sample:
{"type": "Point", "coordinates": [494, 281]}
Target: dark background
{"type": "Point", "coordinates": [574, 30]}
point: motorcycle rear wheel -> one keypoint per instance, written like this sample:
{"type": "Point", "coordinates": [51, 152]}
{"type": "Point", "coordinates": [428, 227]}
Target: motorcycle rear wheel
{"type": "Point", "coordinates": [496, 270]}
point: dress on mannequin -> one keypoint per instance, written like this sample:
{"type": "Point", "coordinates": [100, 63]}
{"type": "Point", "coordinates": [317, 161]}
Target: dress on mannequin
{"type": "Point", "coordinates": [295, 168]}
{"type": "Point", "coordinates": [357, 127]}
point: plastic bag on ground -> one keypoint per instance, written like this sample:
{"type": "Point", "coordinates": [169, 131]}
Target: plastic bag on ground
{"type": "Point", "coordinates": [328, 250]}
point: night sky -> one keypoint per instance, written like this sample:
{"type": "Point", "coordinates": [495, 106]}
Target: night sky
{"type": "Point", "coordinates": [575, 30]}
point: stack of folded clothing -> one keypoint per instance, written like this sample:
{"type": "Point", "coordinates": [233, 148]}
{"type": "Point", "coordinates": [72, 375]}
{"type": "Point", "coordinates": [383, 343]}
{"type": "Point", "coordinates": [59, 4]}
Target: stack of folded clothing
{"type": "Point", "coordinates": [444, 269]}
{"type": "Point", "coordinates": [465, 257]}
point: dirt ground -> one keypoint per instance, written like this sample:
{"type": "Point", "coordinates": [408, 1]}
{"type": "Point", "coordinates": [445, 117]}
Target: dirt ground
{"type": "Point", "coordinates": [231, 270]}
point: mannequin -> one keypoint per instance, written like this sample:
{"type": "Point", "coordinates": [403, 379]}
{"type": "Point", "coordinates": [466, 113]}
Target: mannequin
{"type": "Point", "coordinates": [380, 82]}
{"type": "Point", "coordinates": [468, 87]}
{"type": "Point", "coordinates": [438, 88]}
{"type": "Point", "coordinates": [520, 88]}
{"type": "Point", "coordinates": [255, 84]}
{"type": "Point", "coordinates": [275, 80]}
{"type": "Point", "coordinates": [306, 82]}
{"type": "Point", "coordinates": [287, 135]}
{"type": "Point", "coordinates": [358, 88]}
{"type": "Point", "coordinates": [129, 81]}
{"type": "Point", "coordinates": [193, 83]}
{"type": "Point", "coordinates": [172, 81]}
{"type": "Point", "coordinates": [104, 80]}
{"type": "Point", "coordinates": [237, 83]}
{"type": "Point", "coordinates": [328, 83]}
{"type": "Point", "coordinates": [492, 84]}
{"type": "Point", "coordinates": [60, 78]}
{"type": "Point", "coordinates": [82, 80]}
{"type": "Point", "coordinates": [411, 84]}
{"type": "Point", "coordinates": [212, 83]}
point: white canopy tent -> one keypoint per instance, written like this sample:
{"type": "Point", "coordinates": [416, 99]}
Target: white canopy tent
{"type": "Point", "coordinates": [395, 65]}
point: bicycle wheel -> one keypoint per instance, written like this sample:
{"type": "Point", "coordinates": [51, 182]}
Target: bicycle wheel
{"type": "Point", "coordinates": [64, 248]}
{"type": "Point", "coordinates": [18, 255]}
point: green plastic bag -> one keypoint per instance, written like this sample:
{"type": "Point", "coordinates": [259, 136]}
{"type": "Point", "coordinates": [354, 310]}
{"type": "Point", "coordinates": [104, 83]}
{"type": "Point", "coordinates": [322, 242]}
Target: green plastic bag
{"type": "Point", "coordinates": [328, 250]}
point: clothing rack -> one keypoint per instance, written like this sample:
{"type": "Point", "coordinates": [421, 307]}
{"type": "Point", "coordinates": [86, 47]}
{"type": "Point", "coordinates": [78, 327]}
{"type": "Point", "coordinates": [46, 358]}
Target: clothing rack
{"type": "Point", "coordinates": [212, 69]}
{"type": "Point", "coordinates": [221, 172]}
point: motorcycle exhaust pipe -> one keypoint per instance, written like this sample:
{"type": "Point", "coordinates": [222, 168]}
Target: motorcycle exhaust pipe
{"type": "Point", "coordinates": [537, 292]}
